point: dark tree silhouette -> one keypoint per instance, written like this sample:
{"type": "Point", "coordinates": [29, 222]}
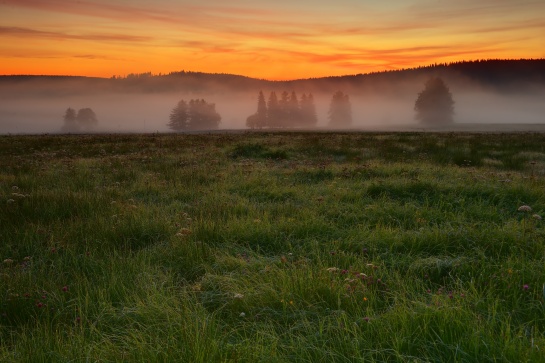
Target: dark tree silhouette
{"type": "Point", "coordinates": [293, 111]}
{"type": "Point", "coordinates": [273, 111]}
{"type": "Point", "coordinates": [434, 104]}
{"type": "Point", "coordinates": [195, 115]}
{"type": "Point", "coordinates": [179, 117]}
{"type": "Point", "coordinates": [340, 110]}
{"type": "Point", "coordinates": [87, 119]}
{"type": "Point", "coordinates": [283, 113]}
{"type": "Point", "coordinates": [283, 110]}
{"type": "Point", "coordinates": [259, 119]}
{"type": "Point", "coordinates": [70, 122]}
{"type": "Point", "coordinates": [203, 115]}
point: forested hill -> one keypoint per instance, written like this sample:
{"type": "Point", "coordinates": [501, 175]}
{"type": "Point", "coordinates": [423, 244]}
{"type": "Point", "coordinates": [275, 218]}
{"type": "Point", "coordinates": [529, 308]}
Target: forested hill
{"type": "Point", "coordinates": [500, 75]}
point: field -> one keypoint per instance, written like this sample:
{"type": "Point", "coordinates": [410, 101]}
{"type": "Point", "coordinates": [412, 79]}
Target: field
{"type": "Point", "coordinates": [272, 247]}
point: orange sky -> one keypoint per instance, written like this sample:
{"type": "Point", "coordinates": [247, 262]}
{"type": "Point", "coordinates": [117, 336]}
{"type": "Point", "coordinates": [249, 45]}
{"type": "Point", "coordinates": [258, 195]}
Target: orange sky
{"type": "Point", "coordinates": [265, 39]}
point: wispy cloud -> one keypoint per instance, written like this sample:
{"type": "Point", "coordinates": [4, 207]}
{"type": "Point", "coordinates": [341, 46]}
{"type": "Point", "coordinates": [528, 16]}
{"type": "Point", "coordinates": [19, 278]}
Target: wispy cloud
{"type": "Point", "coordinates": [33, 33]}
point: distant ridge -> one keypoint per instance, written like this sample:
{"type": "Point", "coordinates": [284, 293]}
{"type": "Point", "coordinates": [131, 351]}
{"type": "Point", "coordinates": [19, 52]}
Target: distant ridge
{"type": "Point", "coordinates": [498, 74]}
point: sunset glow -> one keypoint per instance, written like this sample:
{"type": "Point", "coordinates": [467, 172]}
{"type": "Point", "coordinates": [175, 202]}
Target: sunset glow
{"type": "Point", "coordinates": [273, 40]}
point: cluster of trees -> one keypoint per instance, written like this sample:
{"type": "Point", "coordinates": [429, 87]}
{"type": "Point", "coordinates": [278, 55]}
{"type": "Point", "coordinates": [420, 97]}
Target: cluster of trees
{"type": "Point", "coordinates": [194, 115]}
{"type": "Point", "coordinates": [286, 111]}
{"type": "Point", "coordinates": [84, 120]}
{"type": "Point", "coordinates": [434, 105]}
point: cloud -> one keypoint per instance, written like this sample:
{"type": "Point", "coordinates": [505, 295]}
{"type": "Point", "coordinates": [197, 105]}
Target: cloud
{"type": "Point", "coordinates": [33, 33]}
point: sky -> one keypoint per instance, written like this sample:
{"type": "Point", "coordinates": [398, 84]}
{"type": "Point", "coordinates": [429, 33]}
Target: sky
{"type": "Point", "coordinates": [277, 40]}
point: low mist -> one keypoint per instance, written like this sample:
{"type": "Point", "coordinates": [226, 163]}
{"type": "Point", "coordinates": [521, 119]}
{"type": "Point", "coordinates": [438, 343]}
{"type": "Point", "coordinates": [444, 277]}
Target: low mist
{"type": "Point", "coordinates": [373, 108]}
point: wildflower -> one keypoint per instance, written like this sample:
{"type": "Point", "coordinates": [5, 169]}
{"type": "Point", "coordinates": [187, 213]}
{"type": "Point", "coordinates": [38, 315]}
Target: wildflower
{"type": "Point", "coordinates": [242, 315]}
{"type": "Point", "coordinates": [536, 217]}
{"type": "Point", "coordinates": [366, 319]}
{"type": "Point", "coordinates": [525, 208]}
{"type": "Point", "coordinates": [291, 302]}
{"type": "Point", "coordinates": [9, 201]}
{"type": "Point", "coordinates": [364, 299]}
{"type": "Point", "coordinates": [8, 261]}
{"type": "Point", "coordinates": [238, 296]}
{"type": "Point", "coordinates": [344, 272]}
{"type": "Point", "coordinates": [15, 188]}
{"type": "Point", "coordinates": [27, 258]}
{"type": "Point", "coordinates": [40, 305]}
{"type": "Point", "coordinates": [510, 271]}
{"type": "Point", "coordinates": [332, 269]}
{"type": "Point", "coordinates": [525, 287]}
{"type": "Point", "coordinates": [65, 288]}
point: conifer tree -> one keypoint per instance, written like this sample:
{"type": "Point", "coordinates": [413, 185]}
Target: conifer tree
{"type": "Point", "coordinates": [340, 110]}
{"type": "Point", "coordinates": [179, 117]}
{"type": "Point", "coordinates": [70, 122]}
{"type": "Point", "coordinates": [273, 111]}
{"type": "Point", "coordinates": [283, 110]}
{"type": "Point", "coordinates": [258, 119]}
{"type": "Point", "coordinates": [293, 113]}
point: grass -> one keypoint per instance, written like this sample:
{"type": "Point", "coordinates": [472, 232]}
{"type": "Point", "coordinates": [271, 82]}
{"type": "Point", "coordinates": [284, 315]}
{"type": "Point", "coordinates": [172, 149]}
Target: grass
{"type": "Point", "coordinates": [272, 247]}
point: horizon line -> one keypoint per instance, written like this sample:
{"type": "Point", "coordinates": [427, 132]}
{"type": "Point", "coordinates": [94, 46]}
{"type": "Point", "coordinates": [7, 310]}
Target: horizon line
{"type": "Point", "coordinates": [160, 74]}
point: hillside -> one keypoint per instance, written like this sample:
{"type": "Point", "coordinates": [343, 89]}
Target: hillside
{"type": "Point", "coordinates": [499, 75]}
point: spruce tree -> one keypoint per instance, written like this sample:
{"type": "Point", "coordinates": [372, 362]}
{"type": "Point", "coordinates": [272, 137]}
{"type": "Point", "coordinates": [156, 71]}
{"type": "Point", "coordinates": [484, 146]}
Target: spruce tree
{"type": "Point", "coordinates": [340, 110]}
{"type": "Point", "coordinates": [261, 111]}
{"type": "Point", "coordinates": [70, 121]}
{"type": "Point", "coordinates": [273, 111]}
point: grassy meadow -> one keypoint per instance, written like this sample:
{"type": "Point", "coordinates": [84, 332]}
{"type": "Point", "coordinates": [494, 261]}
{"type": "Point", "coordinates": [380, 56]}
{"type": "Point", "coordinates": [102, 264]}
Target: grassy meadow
{"type": "Point", "coordinates": [272, 247]}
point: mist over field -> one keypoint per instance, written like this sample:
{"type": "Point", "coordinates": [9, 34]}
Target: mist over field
{"type": "Point", "coordinates": [379, 101]}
